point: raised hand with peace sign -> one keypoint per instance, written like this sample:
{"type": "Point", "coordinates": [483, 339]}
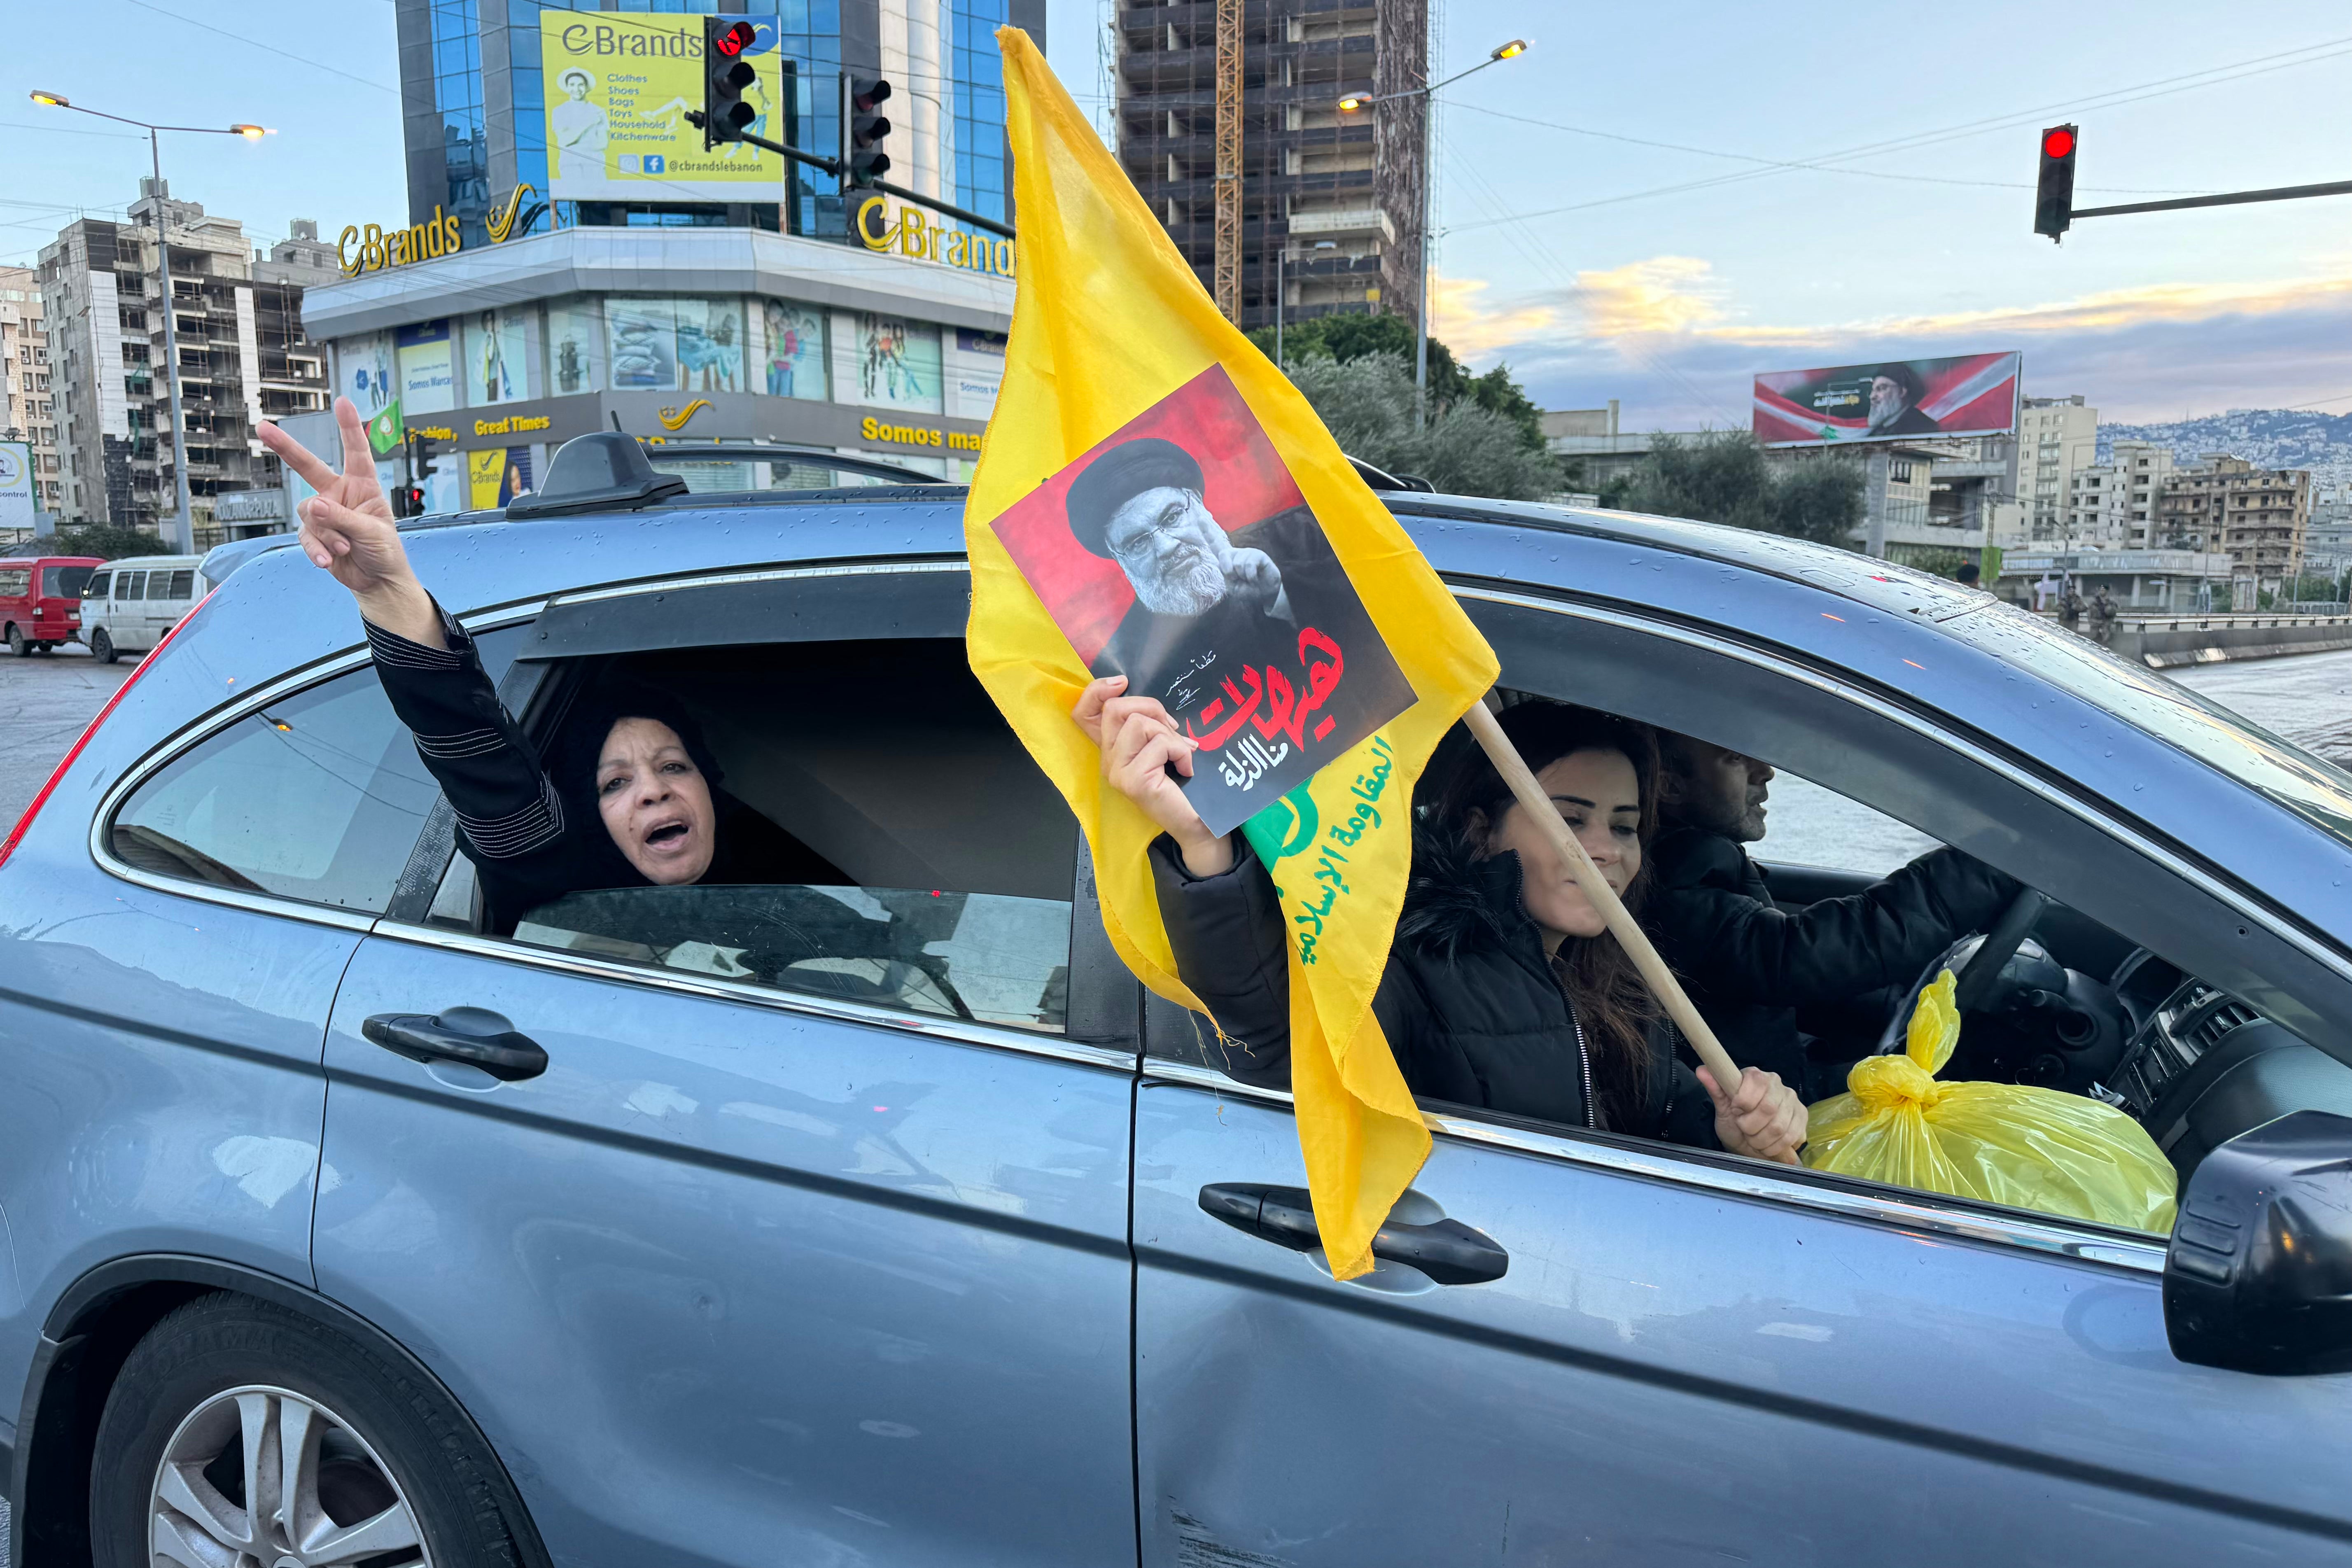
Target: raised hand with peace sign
{"type": "Point", "coordinates": [348, 531]}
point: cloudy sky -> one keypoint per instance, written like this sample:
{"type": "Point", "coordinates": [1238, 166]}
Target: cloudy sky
{"type": "Point", "coordinates": [1595, 261]}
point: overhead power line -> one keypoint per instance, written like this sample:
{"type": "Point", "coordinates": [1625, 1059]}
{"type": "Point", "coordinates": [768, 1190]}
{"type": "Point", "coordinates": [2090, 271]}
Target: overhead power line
{"type": "Point", "coordinates": [1802, 163]}
{"type": "Point", "coordinates": [2162, 87]}
{"type": "Point", "coordinates": [272, 48]}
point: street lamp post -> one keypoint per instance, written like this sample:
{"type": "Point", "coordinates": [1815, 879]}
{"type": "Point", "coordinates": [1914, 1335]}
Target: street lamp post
{"type": "Point", "coordinates": [184, 528]}
{"type": "Point", "coordinates": [1428, 93]}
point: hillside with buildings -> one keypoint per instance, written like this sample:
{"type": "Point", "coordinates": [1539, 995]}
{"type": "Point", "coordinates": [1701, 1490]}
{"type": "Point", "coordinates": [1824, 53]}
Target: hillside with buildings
{"type": "Point", "coordinates": [2267, 437]}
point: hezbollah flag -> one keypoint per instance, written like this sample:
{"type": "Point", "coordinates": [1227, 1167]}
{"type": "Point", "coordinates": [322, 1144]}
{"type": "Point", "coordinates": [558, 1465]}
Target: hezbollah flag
{"type": "Point", "coordinates": [1155, 499]}
{"type": "Point", "coordinates": [385, 431]}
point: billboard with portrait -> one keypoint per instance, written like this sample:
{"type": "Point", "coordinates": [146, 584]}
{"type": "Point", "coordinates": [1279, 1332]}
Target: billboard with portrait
{"type": "Point", "coordinates": [792, 349]}
{"type": "Point", "coordinates": [363, 371]}
{"type": "Point", "coordinates": [618, 84]}
{"type": "Point", "coordinates": [1891, 400]}
{"type": "Point", "coordinates": [886, 362]}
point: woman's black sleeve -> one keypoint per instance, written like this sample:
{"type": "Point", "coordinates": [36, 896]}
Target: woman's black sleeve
{"type": "Point", "coordinates": [1226, 932]}
{"type": "Point", "coordinates": [509, 818]}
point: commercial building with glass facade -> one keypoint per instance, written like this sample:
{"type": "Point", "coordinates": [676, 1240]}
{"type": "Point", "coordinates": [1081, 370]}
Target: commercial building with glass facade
{"type": "Point", "coordinates": [501, 353]}
{"type": "Point", "coordinates": [474, 106]}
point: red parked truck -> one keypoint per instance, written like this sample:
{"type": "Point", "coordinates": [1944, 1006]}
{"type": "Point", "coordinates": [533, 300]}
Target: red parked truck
{"type": "Point", "coordinates": [40, 600]}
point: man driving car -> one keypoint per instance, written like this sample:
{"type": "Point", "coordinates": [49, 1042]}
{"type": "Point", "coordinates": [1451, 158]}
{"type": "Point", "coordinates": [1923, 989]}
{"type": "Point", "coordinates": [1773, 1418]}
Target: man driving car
{"type": "Point", "coordinates": [1747, 963]}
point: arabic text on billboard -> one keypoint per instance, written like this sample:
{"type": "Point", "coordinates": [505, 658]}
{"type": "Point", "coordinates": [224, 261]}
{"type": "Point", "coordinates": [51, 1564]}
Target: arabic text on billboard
{"type": "Point", "coordinates": [1893, 400]}
{"type": "Point", "coordinates": [618, 87]}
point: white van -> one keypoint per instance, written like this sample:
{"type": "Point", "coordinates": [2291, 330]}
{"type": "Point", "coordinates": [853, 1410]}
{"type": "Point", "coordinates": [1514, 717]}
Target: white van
{"type": "Point", "coordinates": [127, 605]}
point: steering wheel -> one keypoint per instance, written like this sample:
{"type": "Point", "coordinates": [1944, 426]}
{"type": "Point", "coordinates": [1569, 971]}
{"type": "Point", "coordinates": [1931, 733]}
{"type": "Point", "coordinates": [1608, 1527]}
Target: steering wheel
{"type": "Point", "coordinates": [1977, 961]}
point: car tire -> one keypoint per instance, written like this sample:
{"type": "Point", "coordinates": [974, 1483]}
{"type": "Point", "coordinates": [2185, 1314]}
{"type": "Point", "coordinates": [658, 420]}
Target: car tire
{"type": "Point", "coordinates": [101, 646]}
{"type": "Point", "coordinates": [17, 641]}
{"type": "Point", "coordinates": [391, 1452]}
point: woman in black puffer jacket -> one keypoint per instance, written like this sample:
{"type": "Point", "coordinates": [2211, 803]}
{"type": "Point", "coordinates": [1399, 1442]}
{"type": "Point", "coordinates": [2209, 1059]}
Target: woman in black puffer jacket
{"type": "Point", "coordinates": [1503, 989]}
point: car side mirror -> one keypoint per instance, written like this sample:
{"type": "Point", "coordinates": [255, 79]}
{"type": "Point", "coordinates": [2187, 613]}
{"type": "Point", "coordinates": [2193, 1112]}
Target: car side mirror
{"type": "Point", "coordinates": [2258, 1274]}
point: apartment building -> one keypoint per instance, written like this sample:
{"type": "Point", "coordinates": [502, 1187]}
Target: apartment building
{"type": "Point", "coordinates": [2115, 505]}
{"type": "Point", "coordinates": [2256, 516]}
{"type": "Point", "coordinates": [2057, 437]}
{"type": "Point", "coordinates": [27, 403]}
{"type": "Point", "coordinates": [1330, 201]}
{"type": "Point", "coordinates": [243, 356]}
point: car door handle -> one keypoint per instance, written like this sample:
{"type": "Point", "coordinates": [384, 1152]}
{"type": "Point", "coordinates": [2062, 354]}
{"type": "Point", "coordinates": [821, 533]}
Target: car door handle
{"type": "Point", "coordinates": [1447, 1251]}
{"type": "Point", "coordinates": [467, 1035]}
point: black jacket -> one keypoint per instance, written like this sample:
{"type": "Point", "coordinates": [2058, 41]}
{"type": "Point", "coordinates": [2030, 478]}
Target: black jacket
{"type": "Point", "coordinates": [1468, 1004]}
{"type": "Point", "coordinates": [1749, 965]}
{"type": "Point", "coordinates": [531, 838]}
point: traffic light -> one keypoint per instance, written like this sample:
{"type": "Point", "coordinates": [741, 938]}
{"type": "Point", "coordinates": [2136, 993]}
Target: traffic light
{"type": "Point", "coordinates": [408, 499]}
{"type": "Point", "coordinates": [863, 129]}
{"type": "Point", "coordinates": [726, 73]}
{"type": "Point", "coordinates": [2054, 198]}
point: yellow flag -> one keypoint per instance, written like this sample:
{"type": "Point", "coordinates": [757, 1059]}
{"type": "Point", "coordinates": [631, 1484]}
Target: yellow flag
{"type": "Point", "coordinates": [1115, 346]}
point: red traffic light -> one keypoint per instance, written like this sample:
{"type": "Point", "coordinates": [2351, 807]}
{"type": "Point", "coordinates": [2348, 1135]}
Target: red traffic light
{"type": "Point", "coordinates": [735, 39]}
{"type": "Point", "coordinates": [2058, 143]}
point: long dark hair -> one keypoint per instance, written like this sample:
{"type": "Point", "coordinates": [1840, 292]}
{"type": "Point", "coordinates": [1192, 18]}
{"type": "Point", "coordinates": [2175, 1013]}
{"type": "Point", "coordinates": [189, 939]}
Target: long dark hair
{"type": "Point", "coordinates": [1611, 998]}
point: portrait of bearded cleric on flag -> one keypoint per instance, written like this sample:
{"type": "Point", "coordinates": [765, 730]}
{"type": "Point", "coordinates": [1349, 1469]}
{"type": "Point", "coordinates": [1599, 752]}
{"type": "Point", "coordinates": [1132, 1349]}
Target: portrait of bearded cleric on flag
{"type": "Point", "coordinates": [1253, 636]}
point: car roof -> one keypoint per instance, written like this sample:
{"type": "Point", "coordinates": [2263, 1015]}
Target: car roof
{"type": "Point", "coordinates": [156, 560]}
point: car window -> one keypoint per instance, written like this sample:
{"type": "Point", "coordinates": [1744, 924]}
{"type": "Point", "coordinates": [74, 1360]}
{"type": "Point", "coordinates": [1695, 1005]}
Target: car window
{"type": "Point", "coordinates": [96, 588]}
{"type": "Point", "coordinates": [132, 586]}
{"type": "Point", "coordinates": [1806, 825]}
{"type": "Point", "coordinates": [981, 957]}
{"type": "Point", "coordinates": [184, 585]}
{"type": "Point", "coordinates": [63, 581]}
{"type": "Point", "coordinates": [2317, 790]}
{"type": "Point", "coordinates": [16, 582]}
{"type": "Point", "coordinates": [317, 797]}
{"type": "Point", "coordinates": [956, 857]}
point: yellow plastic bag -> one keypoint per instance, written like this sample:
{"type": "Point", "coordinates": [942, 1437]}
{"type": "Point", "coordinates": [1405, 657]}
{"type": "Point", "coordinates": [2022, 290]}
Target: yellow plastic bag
{"type": "Point", "coordinates": [2001, 1142]}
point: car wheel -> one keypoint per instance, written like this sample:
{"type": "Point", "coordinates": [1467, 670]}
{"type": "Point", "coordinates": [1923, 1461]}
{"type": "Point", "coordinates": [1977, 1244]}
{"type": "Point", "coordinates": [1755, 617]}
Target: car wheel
{"type": "Point", "coordinates": [17, 641]}
{"type": "Point", "coordinates": [240, 1432]}
{"type": "Point", "coordinates": [101, 646]}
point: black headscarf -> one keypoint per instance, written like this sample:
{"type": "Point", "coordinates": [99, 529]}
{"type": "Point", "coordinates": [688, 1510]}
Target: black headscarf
{"type": "Point", "coordinates": [749, 847]}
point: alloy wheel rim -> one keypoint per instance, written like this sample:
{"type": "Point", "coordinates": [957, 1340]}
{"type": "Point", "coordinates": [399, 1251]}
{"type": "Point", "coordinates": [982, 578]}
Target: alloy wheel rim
{"type": "Point", "coordinates": [261, 1477]}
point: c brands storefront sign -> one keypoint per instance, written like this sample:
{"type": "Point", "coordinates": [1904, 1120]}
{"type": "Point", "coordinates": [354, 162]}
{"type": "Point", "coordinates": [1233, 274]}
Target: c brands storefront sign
{"type": "Point", "coordinates": [376, 251]}
{"type": "Point", "coordinates": [371, 249]}
{"type": "Point", "coordinates": [912, 233]}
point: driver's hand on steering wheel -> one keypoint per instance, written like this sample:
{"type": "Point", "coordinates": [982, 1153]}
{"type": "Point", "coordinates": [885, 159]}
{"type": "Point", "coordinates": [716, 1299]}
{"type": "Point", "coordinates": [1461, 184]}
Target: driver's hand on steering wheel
{"type": "Point", "coordinates": [1761, 1117]}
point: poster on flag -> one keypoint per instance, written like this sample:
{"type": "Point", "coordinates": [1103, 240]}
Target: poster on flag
{"type": "Point", "coordinates": [1178, 552]}
{"type": "Point", "coordinates": [1893, 400]}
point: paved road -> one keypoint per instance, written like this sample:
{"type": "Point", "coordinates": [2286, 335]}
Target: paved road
{"type": "Point", "coordinates": [2306, 698]}
{"type": "Point", "coordinates": [45, 700]}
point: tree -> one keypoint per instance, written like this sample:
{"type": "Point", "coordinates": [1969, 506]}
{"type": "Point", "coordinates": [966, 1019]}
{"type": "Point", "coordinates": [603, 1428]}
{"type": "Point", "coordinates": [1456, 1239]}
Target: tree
{"type": "Point", "coordinates": [1347, 339]}
{"type": "Point", "coordinates": [1466, 449]}
{"type": "Point", "coordinates": [1724, 476]}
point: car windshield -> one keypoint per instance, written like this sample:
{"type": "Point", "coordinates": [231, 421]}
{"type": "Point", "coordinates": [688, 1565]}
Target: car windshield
{"type": "Point", "coordinates": [2314, 789]}
{"type": "Point", "coordinates": [63, 582]}
{"type": "Point", "coordinates": [986, 957]}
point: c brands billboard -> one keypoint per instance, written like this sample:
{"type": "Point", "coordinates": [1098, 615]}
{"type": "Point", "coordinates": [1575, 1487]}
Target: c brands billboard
{"type": "Point", "coordinates": [618, 84]}
{"type": "Point", "coordinates": [1893, 400]}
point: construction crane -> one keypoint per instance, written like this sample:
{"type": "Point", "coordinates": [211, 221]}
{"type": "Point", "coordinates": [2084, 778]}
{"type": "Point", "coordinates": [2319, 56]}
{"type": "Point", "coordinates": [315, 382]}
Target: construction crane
{"type": "Point", "coordinates": [1228, 267]}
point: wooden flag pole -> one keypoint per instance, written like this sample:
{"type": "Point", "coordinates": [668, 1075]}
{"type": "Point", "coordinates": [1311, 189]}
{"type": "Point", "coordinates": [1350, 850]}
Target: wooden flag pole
{"type": "Point", "coordinates": [1630, 935]}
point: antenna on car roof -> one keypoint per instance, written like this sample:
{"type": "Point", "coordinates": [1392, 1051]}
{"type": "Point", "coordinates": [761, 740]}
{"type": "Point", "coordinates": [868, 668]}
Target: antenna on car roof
{"type": "Point", "coordinates": [616, 418]}
{"type": "Point", "coordinates": [605, 470]}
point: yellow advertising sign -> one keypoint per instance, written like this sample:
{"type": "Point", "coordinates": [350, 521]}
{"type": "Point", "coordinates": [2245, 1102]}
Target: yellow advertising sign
{"type": "Point", "coordinates": [618, 84]}
{"type": "Point", "coordinates": [485, 475]}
